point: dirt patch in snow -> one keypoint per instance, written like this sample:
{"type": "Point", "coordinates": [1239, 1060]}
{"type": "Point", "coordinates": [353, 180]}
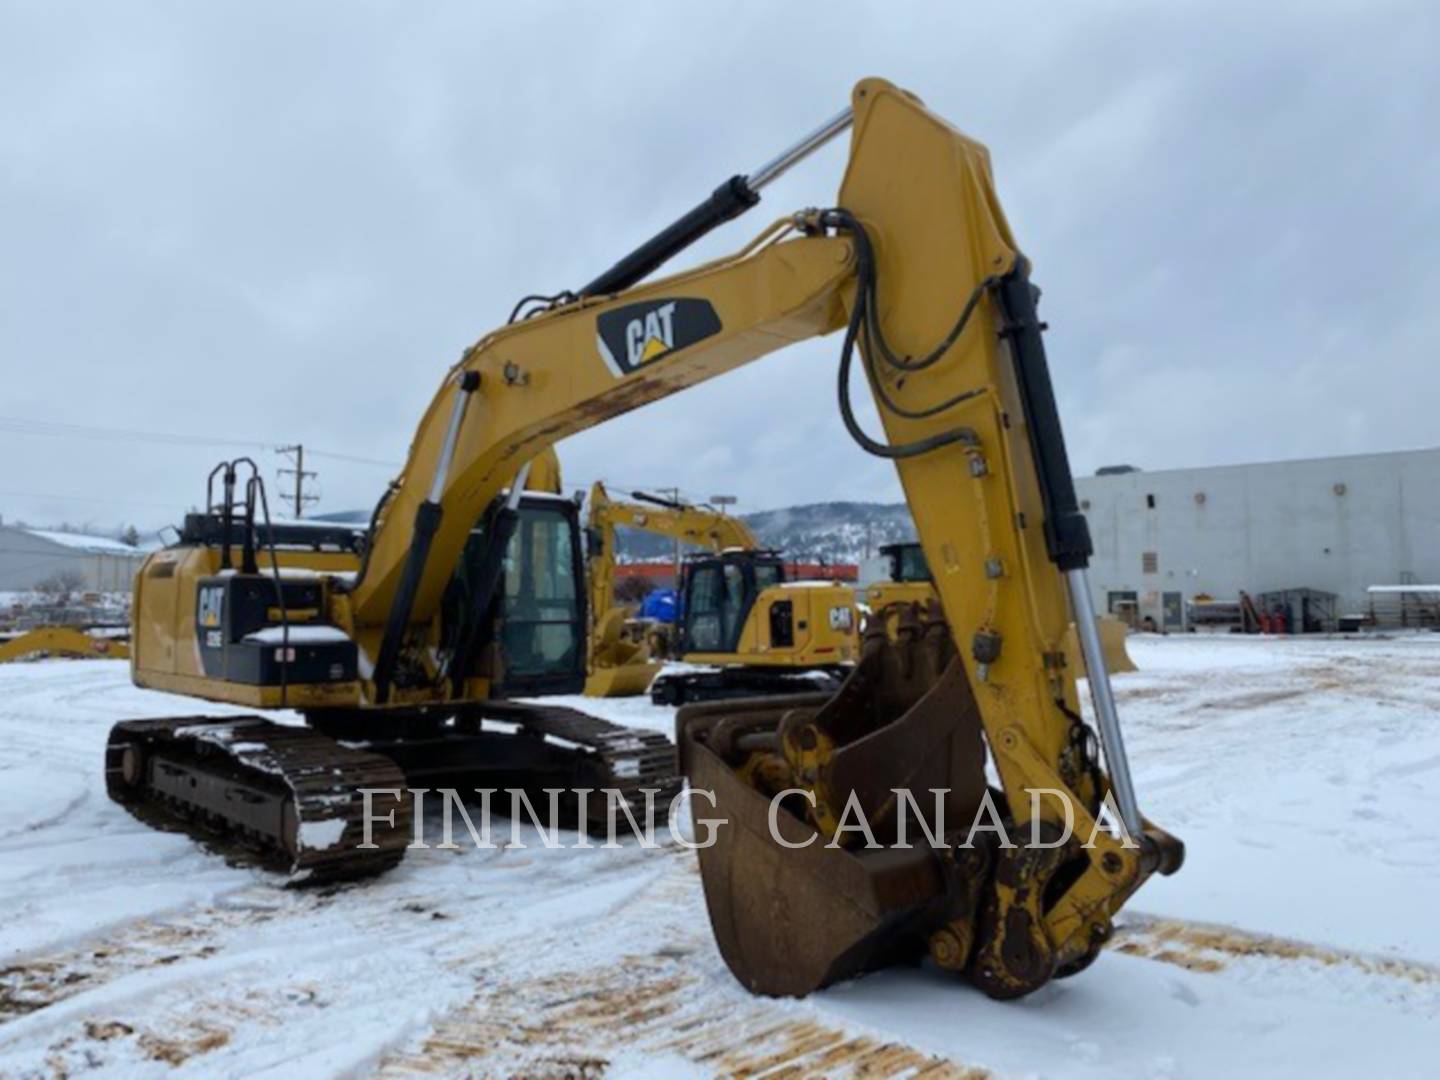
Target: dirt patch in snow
{"type": "Point", "coordinates": [574, 1025]}
{"type": "Point", "coordinates": [1198, 947]}
{"type": "Point", "coordinates": [178, 1050]}
{"type": "Point", "coordinates": [40, 981]}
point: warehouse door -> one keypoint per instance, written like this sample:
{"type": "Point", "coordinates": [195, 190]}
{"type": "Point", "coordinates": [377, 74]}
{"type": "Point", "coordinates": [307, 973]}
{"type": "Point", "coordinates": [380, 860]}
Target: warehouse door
{"type": "Point", "coordinates": [1173, 605]}
{"type": "Point", "coordinates": [1124, 606]}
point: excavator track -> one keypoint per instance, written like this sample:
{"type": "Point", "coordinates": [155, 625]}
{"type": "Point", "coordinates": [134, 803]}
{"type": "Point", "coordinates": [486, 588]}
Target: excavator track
{"type": "Point", "coordinates": [291, 799]}
{"type": "Point", "coordinates": [285, 798]}
{"type": "Point", "coordinates": [630, 761]}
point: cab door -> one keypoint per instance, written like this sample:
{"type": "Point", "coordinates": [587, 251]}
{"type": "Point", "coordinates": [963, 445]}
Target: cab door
{"type": "Point", "coordinates": [542, 612]}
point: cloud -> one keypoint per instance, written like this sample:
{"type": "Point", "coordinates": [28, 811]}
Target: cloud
{"type": "Point", "coordinates": [282, 223]}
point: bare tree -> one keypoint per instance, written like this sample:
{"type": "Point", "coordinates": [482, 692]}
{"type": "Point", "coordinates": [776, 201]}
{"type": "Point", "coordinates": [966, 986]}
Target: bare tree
{"type": "Point", "coordinates": [60, 587]}
{"type": "Point", "coordinates": [631, 589]}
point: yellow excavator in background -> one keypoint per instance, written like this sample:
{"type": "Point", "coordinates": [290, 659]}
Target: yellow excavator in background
{"type": "Point", "coordinates": [74, 642]}
{"type": "Point", "coordinates": [909, 581]}
{"type": "Point", "coordinates": [469, 590]}
{"type": "Point", "coordinates": [623, 661]}
{"type": "Point", "coordinates": [751, 631]}
{"type": "Point", "coordinates": [747, 630]}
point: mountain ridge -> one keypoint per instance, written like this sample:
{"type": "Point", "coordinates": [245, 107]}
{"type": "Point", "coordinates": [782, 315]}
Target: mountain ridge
{"type": "Point", "coordinates": [828, 532]}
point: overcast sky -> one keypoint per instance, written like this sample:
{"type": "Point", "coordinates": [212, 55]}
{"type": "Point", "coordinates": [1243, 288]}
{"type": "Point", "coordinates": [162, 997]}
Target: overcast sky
{"type": "Point", "coordinates": [273, 223]}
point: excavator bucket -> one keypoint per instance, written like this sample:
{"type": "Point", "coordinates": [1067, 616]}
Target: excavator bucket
{"type": "Point", "coordinates": [627, 680]}
{"type": "Point", "coordinates": [619, 666]}
{"type": "Point", "coordinates": [799, 898]}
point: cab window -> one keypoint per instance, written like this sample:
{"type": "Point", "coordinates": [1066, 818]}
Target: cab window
{"type": "Point", "coordinates": [542, 632]}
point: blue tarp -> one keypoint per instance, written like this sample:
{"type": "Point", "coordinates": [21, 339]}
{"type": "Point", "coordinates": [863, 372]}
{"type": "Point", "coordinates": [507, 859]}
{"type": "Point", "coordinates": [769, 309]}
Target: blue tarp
{"type": "Point", "coordinates": [660, 605]}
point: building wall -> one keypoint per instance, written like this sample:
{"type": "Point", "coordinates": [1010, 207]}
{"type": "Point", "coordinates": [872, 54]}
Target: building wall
{"type": "Point", "coordinates": [26, 560]}
{"type": "Point", "coordinates": [1336, 524]}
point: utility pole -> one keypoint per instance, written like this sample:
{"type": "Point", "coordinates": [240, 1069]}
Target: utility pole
{"type": "Point", "coordinates": [299, 472]}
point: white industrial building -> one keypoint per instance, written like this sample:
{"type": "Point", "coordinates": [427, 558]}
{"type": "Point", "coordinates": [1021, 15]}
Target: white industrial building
{"type": "Point", "coordinates": [1337, 525]}
{"type": "Point", "coordinates": [31, 557]}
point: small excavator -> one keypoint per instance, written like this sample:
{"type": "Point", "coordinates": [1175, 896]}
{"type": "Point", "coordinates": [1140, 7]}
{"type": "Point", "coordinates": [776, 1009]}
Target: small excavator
{"type": "Point", "coordinates": [751, 631]}
{"type": "Point", "coordinates": [623, 662]}
{"type": "Point", "coordinates": [746, 628]}
{"type": "Point", "coordinates": [402, 650]}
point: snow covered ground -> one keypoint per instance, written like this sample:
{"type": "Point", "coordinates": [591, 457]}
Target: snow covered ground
{"type": "Point", "coordinates": [1300, 938]}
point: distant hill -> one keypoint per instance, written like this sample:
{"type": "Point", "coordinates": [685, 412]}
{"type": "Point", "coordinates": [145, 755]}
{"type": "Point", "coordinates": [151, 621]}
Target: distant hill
{"type": "Point", "coordinates": [833, 532]}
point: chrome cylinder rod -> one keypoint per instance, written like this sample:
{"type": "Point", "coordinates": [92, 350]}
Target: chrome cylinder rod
{"type": "Point", "coordinates": [1107, 718]}
{"type": "Point", "coordinates": [725, 203]}
{"type": "Point", "coordinates": [517, 486]}
{"type": "Point", "coordinates": [783, 161]}
{"type": "Point", "coordinates": [464, 387]}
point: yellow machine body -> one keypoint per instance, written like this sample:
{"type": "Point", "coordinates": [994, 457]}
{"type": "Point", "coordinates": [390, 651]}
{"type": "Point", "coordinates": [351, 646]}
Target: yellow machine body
{"type": "Point", "coordinates": [826, 625]}
{"type": "Point", "coordinates": [165, 644]}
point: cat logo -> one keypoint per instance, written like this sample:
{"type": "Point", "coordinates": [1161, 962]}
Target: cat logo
{"type": "Point", "coordinates": [639, 334]}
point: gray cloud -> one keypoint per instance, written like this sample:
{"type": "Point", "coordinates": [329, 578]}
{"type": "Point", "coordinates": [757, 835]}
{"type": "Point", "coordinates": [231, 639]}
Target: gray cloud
{"type": "Point", "coordinates": [283, 222]}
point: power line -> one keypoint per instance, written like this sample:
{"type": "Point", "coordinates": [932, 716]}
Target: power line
{"type": "Point", "coordinates": [355, 458]}
{"type": "Point", "coordinates": [18, 425]}
{"type": "Point", "coordinates": [22, 426]}
{"type": "Point", "coordinates": [51, 496]}
{"type": "Point", "coordinates": [59, 429]}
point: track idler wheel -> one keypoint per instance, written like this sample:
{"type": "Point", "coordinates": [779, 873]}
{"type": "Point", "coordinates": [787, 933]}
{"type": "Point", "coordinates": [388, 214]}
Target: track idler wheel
{"type": "Point", "coordinates": [132, 765]}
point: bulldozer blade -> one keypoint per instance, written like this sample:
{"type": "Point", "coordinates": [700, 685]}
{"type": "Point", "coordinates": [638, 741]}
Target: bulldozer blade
{"type": "Point", "coordinates": [792, 915]}
{"type": "Point", "coordinates": [627, 680]}
{"type": "Point", "coordinates": [1112, 644]}
{"type": "Point", "coordinates": [63, 641]}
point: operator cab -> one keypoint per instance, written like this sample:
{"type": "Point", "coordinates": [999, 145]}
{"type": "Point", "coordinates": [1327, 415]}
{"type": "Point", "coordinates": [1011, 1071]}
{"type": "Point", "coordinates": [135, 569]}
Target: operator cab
{"type": "Point", "coordinates": [534, 640]}
{"type": "Point", "coordinates": [907, 562]}
{"type": "Point", "coordinates": [717, 593]}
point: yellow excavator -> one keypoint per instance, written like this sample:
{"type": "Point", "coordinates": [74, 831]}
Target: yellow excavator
{"type": "Point", "coordinates": [751, 631]}
{"type": "Point", "coordinates": [909, 581]}
{"type": "Point", "coordinates": [469, 590]}
{"type": "Point", "coordinates": [745, 628]}
{"type": "Point", "coordinates": [624, 662]}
